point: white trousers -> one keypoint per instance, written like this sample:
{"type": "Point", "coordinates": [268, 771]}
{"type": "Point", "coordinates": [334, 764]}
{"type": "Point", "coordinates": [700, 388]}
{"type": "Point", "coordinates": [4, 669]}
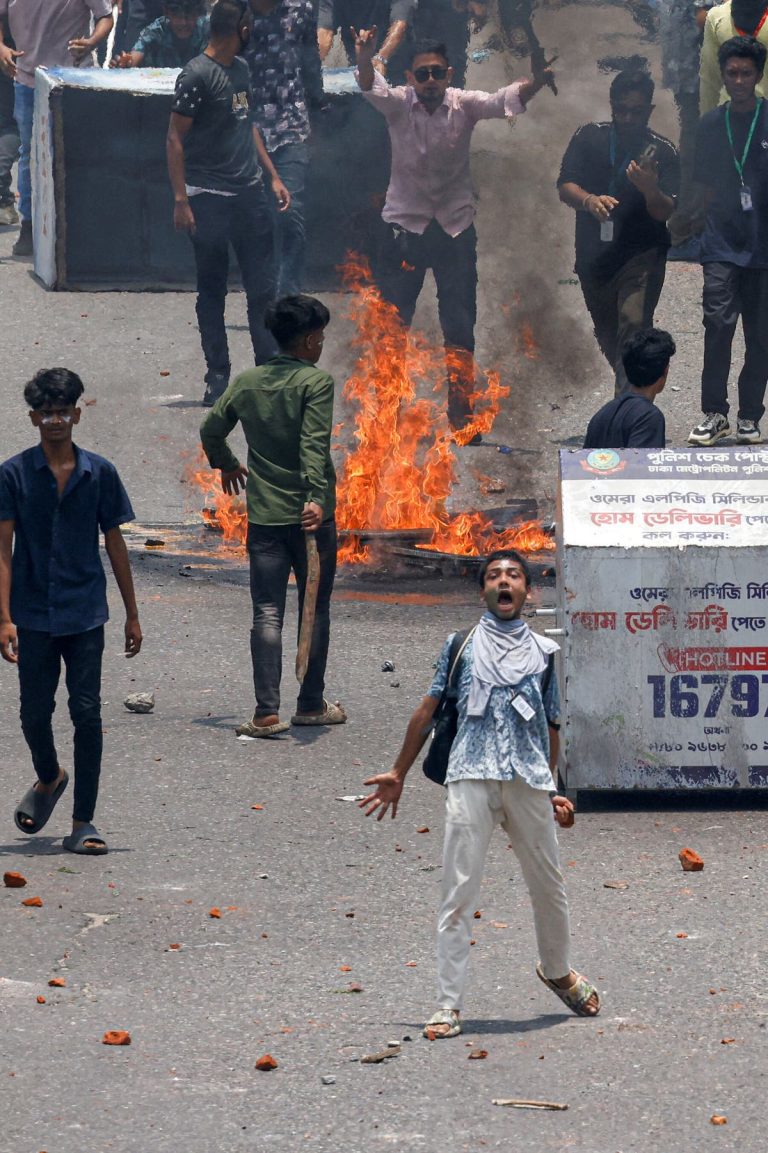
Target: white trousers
{"type": "Point", "coordinates": [472, 810]}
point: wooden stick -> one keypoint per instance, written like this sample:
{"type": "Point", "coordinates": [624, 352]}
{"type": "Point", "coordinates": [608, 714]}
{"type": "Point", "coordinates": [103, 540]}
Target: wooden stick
{"type": "Point", "coordinates": [309, 606]}
{"type": "Point", "coordinates": [521, 1103]}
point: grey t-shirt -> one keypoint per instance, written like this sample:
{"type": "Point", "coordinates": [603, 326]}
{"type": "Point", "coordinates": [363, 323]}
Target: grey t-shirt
{"type": "Point", "coordinates": [219, 152]}
{"type": "Point", "coordinates": [42, 29]}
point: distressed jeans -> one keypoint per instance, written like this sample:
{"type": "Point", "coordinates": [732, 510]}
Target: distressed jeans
{"type": "Point", "coordinates": [274, 550]}
{"type": "Point", "coordinates": [40, 657]}
{"type": "Point", "coordinates": [23, 111]}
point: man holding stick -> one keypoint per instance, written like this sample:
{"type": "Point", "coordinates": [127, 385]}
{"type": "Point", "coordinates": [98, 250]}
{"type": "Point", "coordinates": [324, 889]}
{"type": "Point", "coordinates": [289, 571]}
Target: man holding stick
{"type": "Point", "coordinates": [286, 409]}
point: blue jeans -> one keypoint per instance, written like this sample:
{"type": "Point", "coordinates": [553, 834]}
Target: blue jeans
{"type": "Point", "coordinates": [23, 109]}
{"type": "Point", "coordinates": [273, 551]}
{"type": "Point", "coordinates": [244, 222]}
{"type": "Point", "coordinates": [291, 162]}
{"type": "Point", "coordinates": [40, 657]}
{"type": "Point", "coordinates": [9, 139]}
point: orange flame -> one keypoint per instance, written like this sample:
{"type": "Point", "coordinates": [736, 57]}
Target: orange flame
{"type": "Point", "coordinates": [401, 471]}
{"type": "Point", "coordinates": [228, 514]}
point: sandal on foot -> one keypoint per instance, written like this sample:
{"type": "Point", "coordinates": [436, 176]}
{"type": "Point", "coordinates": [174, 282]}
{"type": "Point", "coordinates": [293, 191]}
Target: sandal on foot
{"type": "Point", "coordinates": [447, 1017]}
{"type": "Point", "coordinates": [332, 714]}
{"type": "Point", "coordinates": [37, 807]}
{"type": "Point", "coordinates": [76, 842]}
{"type": "Point", "coordinates": [576, 996]}
{"type": "Point", "coordinates": [253, 729]}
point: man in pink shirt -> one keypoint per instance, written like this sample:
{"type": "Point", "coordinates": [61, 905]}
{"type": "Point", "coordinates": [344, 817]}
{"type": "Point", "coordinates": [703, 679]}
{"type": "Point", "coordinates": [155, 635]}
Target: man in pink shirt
{"type": "Point", "coordinates": [51, 34]}
{"type": "Point", "coordinates": [430, 204]}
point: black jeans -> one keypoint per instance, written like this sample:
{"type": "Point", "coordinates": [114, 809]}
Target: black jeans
{"type": "Point", "coordinates": [40, 657]}
{"type": "Point", "coordinates": [405, 259]}
{"type": "Point", "coordinates": [273, 551]}
{"type": "Point", "coordinates": [624, 304]}
{"type": "Point", "coordinates": [730, 291]}
{"type": "Point", "coordinates": [245, 222]}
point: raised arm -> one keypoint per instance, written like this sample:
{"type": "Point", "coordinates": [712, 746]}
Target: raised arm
{"type": "Point", "coordinates": [365, 48]}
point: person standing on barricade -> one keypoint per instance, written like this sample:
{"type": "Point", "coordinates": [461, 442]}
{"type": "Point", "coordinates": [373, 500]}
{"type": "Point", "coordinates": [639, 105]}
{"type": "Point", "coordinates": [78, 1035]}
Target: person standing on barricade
{"type": "Point", "coordinates": [214, 149]}
{"type": "Point", "coordinates": [622, 180]}
{"type": "Point", "coordinates": [285, 408]}
{"type": "Point", "coordinates": [287, 81]}
{"type": "Point", "coordinates": [52, 34]}
{"type": "Point", "coordinates": [396, 16]}
{"type": "Point", "coordinates": [430, 206]}
{"type": "Point", "coordinates": [501, 680]}
{"type": "Point", "coordinates": [732, 168]}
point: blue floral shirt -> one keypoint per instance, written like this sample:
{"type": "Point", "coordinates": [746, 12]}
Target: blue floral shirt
{"type": "Point", "coordinates": [286, 75]}
{"type": "Point", "coordinates": [500, 744]}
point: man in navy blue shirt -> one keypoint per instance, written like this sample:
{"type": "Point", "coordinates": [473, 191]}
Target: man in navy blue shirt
{"type": "Point", "coordinates": [54, 499]}
{"type": "Point", "coordinates": [632, 420]}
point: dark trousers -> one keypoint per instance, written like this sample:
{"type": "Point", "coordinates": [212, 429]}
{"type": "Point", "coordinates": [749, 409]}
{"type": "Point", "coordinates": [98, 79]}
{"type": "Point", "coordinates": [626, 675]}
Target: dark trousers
{"type": "Point", "coordinates": [273, 551]}
{"type": "Point", "coordinates": [245, 222]}
{"type": "Point", "coordinates": [729, 292]}
{"type": "Point", "coordinates": [291, 162]}
{"type": "Point", "coordinates": [40, 657]}
{"type": "Point", "coordinates": [9, 138]}
{"type": "Point", "coordinates": [624, 304]}
{"type": "Point", "coordinates": [453, 260]}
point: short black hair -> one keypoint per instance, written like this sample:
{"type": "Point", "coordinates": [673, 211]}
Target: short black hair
{"type": "Point", "coordinates": [646, 355]}
{"type": "Point", "coordinates": [228, 16]}
{"type": "Point", "coordinates": [183, 5]}
{"type": "Point", "coordinates": [292, 317]}
{"type": "Point", "coordinates": [53, 386]}
{"type": "Point", "coordinates": [745, 48]}
{"type": "Point", "coordinates": [632, 80]}
{"type": "Point", "coordinates": [430, 48]}
{"type": "Point", "coordinates": [506, 554]}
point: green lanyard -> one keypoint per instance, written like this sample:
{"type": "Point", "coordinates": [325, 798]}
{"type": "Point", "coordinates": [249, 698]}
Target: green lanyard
{"type": "Point", "coordinates": [740, 163]}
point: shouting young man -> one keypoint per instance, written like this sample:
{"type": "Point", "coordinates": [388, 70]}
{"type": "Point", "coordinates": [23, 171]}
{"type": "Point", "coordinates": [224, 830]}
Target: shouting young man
{"type": "Point", "coordinates": [500, 772]}
{"type": "Point", "coordinates": [732, 169]}
{"type": "Point", "coordinates": [54, 500]}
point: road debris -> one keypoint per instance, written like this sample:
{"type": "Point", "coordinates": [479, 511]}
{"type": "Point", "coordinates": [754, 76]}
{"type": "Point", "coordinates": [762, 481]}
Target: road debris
{"type": "Point", "coordinates": [265, 1063]}
{"type": "Point", "coordinates": [388, 666]}
{"type": "Point", "coordinates": [328, 1080]}
{"type": "Point", "coordinates": [691, 861]}
{"type": "Point", "coordinates": [352, 797]}
{"type": "Point", "coordinates": [14, 880]}
{"type": "Point", "coordinates": [521, 1103]}
{"type": "Point", "coordinates": [615, 884]}
{"type": "Point", "coordinates": [33, 902]}
{"type": "Point", "coordinates": [718, 1119]}
{"type": "Point", "coordinates": [140, 702]}
{"type": "Point", "coordinates": [57, 983]}
{"type": "Point", "coordinates": [384, 1055]}
{"type": "Point", "coordinates": [116, 1037]}
{"type": "Point", "coordinates": [477, 1055]}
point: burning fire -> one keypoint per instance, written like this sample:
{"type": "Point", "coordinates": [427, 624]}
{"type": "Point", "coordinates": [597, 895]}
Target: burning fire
{"type": "Point", "coordinates": [401, 471]}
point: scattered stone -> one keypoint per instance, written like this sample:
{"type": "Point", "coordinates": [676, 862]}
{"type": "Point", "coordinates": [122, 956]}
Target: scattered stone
{"type": "Point", "coordinates": [215, 913]}
{"type": "Point", "coordinates": [140, 702]}
{"type": "Point", "coordinates": [14, 880]}
{"type": "Point", "coordinates": [388, 667]}
{"type": "Point", "coordinates": [691, 861]}
{"type": "Point", "coordinates": [615, 884]}
{"type": "Point", "coordinates": [477, 1055]}
{"type": "Point", "coordinates": [423, 829]}
{"type": "Point", "coordinates": [57, 983]}
{"type": "Point", "coordinates": [33, 902]}
{"type": "Point", "coordinates": [265, 1063]}
{"type": "Point", "coordinates": [40, 999]}
{"type": "Point", "coordinates": [328, 1080]}
{"type": "Point", "coordinates": [394, 684]}
{"type": "Point", "coordinates": [154, 542]}
{"type": "Point", "coordinates": [377, 1058]}
{"type": "Point", "coordinates": [718, 1119]}
{"type": "Point", "coordinates": [116, 1037]}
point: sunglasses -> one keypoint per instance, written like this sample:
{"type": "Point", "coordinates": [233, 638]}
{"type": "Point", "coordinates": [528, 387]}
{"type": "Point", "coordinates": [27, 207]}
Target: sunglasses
{"type": "Point", "coordinates": [436, 72]}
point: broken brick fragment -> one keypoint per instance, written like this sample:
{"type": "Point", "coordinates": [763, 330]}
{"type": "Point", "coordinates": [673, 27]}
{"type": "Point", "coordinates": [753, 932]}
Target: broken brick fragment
{"type": "Point", "coordinates": [691, 861]}
{"type": "Point", "coordinates": [116, 1037]}
{"type": "Point", "coordinates": [718, 1119]}
{"type": "Point", "coordinates": [33, 902]}
{"type": "Point", "coordinates": [265, 1063]}
{"type": "Point", "coordinates": [14, 880]}
{"type": "Point", "coordinates": [214, 912]}
{"type": "Point", "coordinates": [57, 983]}
{"type": "Point", "coordinates": [40, 999]}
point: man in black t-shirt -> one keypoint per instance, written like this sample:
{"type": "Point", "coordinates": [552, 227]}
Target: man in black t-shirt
{"type": "Point", "coordinates": [214, 150]}
{"type": "Point", "coordinates": [622, 179]}
{"type": "Point", "coordinates": [732, 169]}
{"type": "Point", "coordinates": [632, 419]}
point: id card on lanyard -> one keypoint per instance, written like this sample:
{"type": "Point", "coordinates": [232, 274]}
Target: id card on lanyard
{"type": "Point", "coordinates": [745, 193]}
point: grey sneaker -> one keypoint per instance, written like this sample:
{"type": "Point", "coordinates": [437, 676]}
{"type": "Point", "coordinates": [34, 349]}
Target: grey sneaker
{"type": "Point", "coordinates": [712, 428]}
{"type": "Point", "coordinates": [748, 432]}
{"type": "Point", "coordinates": [8, 214]}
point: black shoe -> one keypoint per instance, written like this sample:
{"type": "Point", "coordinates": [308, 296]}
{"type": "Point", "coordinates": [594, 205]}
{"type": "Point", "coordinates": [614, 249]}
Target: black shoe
{"type": "Point", "coordinates": [215, 386]}
{"type": "Point", "coordinates": [24, 245]}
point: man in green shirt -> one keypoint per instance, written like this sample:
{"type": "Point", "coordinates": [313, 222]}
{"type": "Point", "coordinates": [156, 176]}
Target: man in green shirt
{"type": "Point", "coordinates": [286, 409]}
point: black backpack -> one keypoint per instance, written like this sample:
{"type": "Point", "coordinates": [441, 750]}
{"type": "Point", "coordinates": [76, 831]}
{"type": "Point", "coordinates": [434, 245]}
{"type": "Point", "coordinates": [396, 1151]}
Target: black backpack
{"type": "Point", "coordinates": [435, 765]}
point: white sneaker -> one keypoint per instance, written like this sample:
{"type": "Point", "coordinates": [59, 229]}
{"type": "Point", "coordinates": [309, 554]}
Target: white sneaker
{"type": "Point", "coordinates": [712, 428]}
{"type": "Point", "coordinates": [748, 432]}
{"type": "Point", "coordinates": [8, 214]}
